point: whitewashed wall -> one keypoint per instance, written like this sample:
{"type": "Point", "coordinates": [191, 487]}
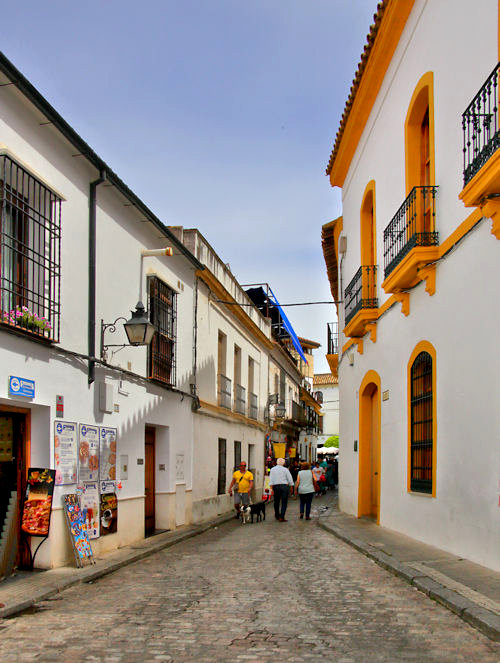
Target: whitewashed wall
{"type": "Point", "coordinates": [461, 320]}
{"type": "Point", "coordinates": [120, 237]}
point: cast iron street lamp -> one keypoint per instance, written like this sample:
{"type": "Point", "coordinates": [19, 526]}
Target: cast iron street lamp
{"type": "Point", "coordinates": [138, 328]}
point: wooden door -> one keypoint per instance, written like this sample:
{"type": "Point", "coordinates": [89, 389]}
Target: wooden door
{"type": "Point", "coordinates": [149, 480]}
{"type": "Point", "coordinates": [375, 454]}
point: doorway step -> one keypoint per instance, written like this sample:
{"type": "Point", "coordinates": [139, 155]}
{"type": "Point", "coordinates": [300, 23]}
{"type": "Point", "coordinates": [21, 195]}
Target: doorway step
{"type": "Point", "coordinates": [8, 538]}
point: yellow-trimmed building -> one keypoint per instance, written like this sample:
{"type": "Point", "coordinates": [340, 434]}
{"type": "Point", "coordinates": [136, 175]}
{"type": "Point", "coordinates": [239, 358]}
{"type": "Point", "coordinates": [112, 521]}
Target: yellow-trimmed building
{"type": "Point", "coordinates": [414, 260]}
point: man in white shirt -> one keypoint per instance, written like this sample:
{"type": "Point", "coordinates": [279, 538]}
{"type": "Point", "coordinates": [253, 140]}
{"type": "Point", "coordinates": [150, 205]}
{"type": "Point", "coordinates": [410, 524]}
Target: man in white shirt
{"type": "Point", "coordinates": [281, 482]}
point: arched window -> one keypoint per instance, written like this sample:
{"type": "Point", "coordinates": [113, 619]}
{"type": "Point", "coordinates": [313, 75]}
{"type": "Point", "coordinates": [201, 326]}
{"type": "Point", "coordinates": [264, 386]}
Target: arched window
{"type": "Point", "coordinates": [368, 247]}
{"type": "Point", "coordinates": [422, 424]}
{"type": "Point", "coordinates": [419, 147]}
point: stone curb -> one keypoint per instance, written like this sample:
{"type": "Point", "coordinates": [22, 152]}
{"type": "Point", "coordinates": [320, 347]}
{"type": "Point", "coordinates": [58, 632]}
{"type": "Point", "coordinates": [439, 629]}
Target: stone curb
{"type": "Point", "coordinates": [104, 567]}
{"type": "Point", "coordinates": [484, 620]}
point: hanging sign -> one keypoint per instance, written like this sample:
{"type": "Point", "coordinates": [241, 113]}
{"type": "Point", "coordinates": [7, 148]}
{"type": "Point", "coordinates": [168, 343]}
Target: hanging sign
{"type": "Point", "coordinates": [279, 449]}
{"type": "Point", "coordinates": [88, 453]}
{"type": "Point", "coordinates": [89, 502]}
{"type": "Point", "coordinates": [38, 503]}
{"type": "Point", "coordinates": [77, 530]}
{"type": "Point", "coordinates": [109, 513]}
{"type": "Point", "coordinates": [107, 454]}
{"type": "Point", "coordinates": [65, 452]}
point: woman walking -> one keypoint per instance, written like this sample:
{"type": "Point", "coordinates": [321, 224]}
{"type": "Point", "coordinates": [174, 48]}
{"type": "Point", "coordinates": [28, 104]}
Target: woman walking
{"type": "Point", "coordinates": [305, 486]}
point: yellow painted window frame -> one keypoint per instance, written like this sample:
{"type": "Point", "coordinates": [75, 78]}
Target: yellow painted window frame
{"type": "Point", "coordinates": [423, 346]}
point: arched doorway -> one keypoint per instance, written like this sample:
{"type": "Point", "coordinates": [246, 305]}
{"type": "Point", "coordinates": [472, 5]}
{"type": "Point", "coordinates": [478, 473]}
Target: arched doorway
{"type": "Point", "coordinates": [369, 447]}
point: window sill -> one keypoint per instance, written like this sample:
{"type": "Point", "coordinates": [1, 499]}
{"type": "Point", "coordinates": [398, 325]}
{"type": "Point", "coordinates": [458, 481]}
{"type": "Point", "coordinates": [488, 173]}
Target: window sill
{"type": "Point", "coordinates": [26, 333]}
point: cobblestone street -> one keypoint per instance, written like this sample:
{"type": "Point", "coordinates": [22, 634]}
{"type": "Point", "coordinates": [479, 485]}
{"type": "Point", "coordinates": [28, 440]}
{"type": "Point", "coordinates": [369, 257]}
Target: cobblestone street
{"type": "Point", "coordinates": [257, 593]}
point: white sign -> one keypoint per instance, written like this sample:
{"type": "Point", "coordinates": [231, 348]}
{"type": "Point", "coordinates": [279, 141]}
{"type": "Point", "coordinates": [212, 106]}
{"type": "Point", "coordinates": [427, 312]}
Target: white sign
{"type": "Point", "coordinates": [107, 454]}
{"type": "Point", "coordinates": [89, 501]}
{"type": "Point", "coordinates": [65, 452]}
{"type": "Point", "coordinates": [88, 453]}
{"type": "Point", "coordinates": [179, 467]}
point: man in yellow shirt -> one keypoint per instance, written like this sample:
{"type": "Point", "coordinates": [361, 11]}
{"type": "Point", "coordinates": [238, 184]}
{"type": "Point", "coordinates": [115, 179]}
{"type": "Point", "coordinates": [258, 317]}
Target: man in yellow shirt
{"type": "Point", "coordinates": [243, 483]}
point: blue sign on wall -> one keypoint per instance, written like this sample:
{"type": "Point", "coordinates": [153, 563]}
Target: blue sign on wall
{"type": "Point", "coordinates": [21, 387]}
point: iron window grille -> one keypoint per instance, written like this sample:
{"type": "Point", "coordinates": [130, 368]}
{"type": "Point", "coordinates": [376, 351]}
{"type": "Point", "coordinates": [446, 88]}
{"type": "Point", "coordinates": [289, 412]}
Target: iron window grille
{"type": "Point", "coordinates": [163, 315]}
{"type": "Point", "coordinates": [361, 292]}
{"type": "Point", "coordinates": [413, 225]}
{"type": "Point", "coordinates": [240, 404]}
{"type": "Point", "coordinates": [30, 252]}
{"type": "Point", "coordinates": [421, 424]}
{"type": "Point", "coordinates": [480, 126]}
{"type": "Point", "coordinates": [253, 411]}
{"type": "Point", "coordinates": [333, 338]}
{"type": "Point", "coordinates": [237, 455]}
{"type": "Point", "coordinates": [221, 473]}
{"type": "Point", "coordinates": [224, 391]}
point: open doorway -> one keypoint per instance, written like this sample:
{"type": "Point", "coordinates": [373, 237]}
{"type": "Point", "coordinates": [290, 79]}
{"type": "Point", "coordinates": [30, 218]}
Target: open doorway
{"type": "Point", "coordinates": [149, 481]}
{"type": "Point", "coordinates": [14, 461]}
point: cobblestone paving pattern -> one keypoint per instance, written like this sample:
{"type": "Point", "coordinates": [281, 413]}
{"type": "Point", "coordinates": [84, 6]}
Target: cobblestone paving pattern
{"type": "Point", "coordinates": [251, 594]}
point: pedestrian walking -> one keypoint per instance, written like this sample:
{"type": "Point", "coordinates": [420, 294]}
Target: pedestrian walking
{"type": "Point", "coordinates": [282, 483]}
{"type": "Point", "coordinates": [305, 485]}
{"type": "Point", "coordinates": [243, 482]}
{"type": "Point", "coordinates": [318, 473]}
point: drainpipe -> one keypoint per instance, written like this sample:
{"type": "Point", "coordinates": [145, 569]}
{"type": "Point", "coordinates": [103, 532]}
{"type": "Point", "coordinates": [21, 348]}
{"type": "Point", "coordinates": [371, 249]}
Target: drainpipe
{"type": "Point", "coordinates": [92, 271]}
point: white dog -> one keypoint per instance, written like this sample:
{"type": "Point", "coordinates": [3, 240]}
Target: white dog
{"type": "Point", "coordinates": [245, 513]}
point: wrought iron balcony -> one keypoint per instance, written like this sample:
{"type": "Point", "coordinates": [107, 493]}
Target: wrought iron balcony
{"type": "Point", "coordinates": [332, 338]}
{"type": "Point", "coordinates": [239, 399]}
{"type": "Point", "coordinates": [412, 225]}
{"type": "Point", "coordinates": [480, 126]}
{"type": "Point", "coordinates": [224, 391]}
{"type": "Point", "coordinates": [298, 413]}
{"type": "Point", "coordinates": [253, 407]}
{"type": "Point", "coordinates": [361, 292]}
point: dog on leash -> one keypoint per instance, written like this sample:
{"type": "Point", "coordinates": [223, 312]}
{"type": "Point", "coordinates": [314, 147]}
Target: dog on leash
{"type": "Point", "coordinates": [245, 513]}
{"type": "Point", "coordinates": [258, 510]}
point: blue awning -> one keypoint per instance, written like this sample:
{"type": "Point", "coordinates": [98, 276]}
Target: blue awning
{"type": "Point", "coordinates": [288, 327]}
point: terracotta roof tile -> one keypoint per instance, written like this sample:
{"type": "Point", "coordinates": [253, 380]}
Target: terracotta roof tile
{"type": "Point", "coordinates": [370, 40]}
{"type": "Point", "coordinates": [324, 379]}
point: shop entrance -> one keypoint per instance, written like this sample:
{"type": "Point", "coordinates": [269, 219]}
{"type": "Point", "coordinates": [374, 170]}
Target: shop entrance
{"type": "Point", "coordinates": [369, 447]}
{"type": "Point", "coordinates": [14, 460]}
{"type": "Point", "coordinates": [149, 481]}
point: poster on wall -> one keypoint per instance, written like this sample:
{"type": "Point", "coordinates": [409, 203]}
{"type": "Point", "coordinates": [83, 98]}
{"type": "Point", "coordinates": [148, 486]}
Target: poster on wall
{"type": "Point", "coordinates": [109, 513]}
{"type": "Point", "coordinates": [38, 502]}
{"type": "Point", "coordinates": [79, 540]}
{"type": "Point", "coordinates": [88, 453]}
{"type": "Point", "coordinates": [6, 439]}
{"type": "Point", "coordinates": [65, 452]}
{"type": "Point", "coordinates": [279, 449]}
{"type": "Point", "coordinates": [107, 454]}
{"type": "Point", "coordinates": [89, 502]}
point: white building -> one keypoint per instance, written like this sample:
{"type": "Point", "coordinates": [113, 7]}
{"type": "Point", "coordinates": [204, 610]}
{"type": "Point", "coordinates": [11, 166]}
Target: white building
{"type": "Point", "coordinates": [417, 253]}
{"type": "Point", "coordinates": [328, 386]}
{"type": "Point", "coordinates": [71, 237]}
{"type": "Point", "coordinates": [233, 343]}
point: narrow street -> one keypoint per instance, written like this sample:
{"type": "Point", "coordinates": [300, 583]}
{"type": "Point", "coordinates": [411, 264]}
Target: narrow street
{"type": "Point", "coordinates": [254, 593]}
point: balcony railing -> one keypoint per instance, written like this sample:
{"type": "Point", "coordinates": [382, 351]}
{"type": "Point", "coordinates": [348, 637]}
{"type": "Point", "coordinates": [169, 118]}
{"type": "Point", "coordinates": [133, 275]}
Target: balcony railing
{"type": "Point", "coordinates": [361, 292]}
{"type": "Point", "coordinates": [253, 407]}
{"type": "Point", "coordinates": [412, 225]}
{"type": "Point", "coordinates": [239, 399]}
{"type": "Point", "coordinates": [298, 413]}
{"type": "Point", "coordinates": [333, 338]}
{"type": "Point", "coordinates": [224, 391]}
{"type": "Point", "coordinates": [480, 126]}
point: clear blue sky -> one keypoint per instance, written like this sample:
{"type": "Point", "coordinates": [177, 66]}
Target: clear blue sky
{"type": "Point", "coordinates": [219, 114]}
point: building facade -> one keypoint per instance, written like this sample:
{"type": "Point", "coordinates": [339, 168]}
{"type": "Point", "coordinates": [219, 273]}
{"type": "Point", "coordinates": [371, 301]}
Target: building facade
{"type": "Point", "coordinates": [78, 249]}
{"type": "Point", "coordinates": [414, 258]}
{"type": "Point", "coordinates": [233, 343]}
